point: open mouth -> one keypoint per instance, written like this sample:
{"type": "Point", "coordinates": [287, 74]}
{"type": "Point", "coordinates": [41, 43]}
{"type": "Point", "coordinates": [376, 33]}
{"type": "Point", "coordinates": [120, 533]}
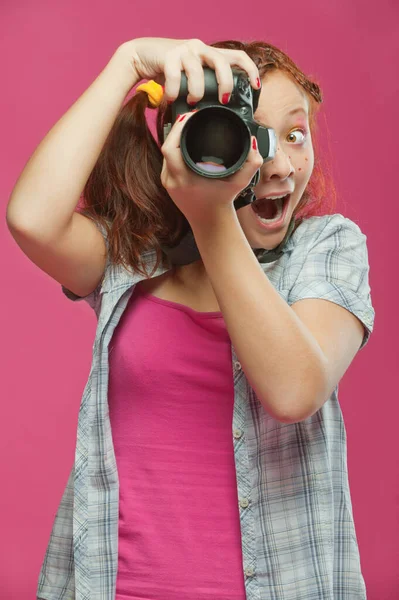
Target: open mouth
{"type": "Point", "coordinates": [271, 210]}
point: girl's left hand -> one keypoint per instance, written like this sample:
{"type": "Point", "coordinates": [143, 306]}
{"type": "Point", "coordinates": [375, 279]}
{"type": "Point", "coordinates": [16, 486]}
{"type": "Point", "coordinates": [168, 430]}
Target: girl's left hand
{"type": "Point", "coordinates": [200, 198]}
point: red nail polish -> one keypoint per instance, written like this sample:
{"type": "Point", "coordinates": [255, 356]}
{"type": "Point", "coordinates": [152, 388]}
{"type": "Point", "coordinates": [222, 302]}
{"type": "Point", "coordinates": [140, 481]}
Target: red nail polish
{"type": "Point", "coordinates": [225, 98]}
{"type": "Point", "coordinates": [254, 144]}
{"type": "Point", "coordinates": [192, 103]}
{"type": "Point", "coordinates": [258, 82]}
{"type": "Point", "coordinates": [182, 117]}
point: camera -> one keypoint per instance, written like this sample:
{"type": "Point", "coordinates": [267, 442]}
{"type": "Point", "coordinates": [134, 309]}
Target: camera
{"type": "Point", "coordinates": [216, 140]}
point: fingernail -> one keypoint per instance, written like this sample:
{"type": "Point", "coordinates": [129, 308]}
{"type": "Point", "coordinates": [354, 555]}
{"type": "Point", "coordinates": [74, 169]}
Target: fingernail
{"type": "Point", "coordinates": [258, 82]}
{"type": "Point", "coordinates": [182, 117]}
{"type": "Point", "coordinates": [192, 103]}
{"type": "Point", "coordinates": [225, 98]}
{"type": "Point", "coordinates": [254, 143]}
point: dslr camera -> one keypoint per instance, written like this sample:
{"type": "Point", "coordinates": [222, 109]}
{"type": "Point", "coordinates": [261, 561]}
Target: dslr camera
{"type": "Point", "coordinates": [216, 140]}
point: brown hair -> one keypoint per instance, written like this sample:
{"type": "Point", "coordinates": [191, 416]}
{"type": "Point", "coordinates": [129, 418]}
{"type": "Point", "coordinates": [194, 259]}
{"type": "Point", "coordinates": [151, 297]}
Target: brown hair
{"type": "Point", "coordinates": [124, 191]}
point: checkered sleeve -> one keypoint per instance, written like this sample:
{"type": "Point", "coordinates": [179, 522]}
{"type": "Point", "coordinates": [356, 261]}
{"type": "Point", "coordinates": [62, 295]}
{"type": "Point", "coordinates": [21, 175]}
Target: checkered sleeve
{"type": "Point", "coordinates": [336, 268]}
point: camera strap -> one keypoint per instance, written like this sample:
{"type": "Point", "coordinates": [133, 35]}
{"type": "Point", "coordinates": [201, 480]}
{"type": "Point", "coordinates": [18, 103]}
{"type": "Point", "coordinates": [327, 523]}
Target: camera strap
{"type": "Point", "coordinates": [186, 251]}
{"type": "Point", "coordinates": [270, 255]}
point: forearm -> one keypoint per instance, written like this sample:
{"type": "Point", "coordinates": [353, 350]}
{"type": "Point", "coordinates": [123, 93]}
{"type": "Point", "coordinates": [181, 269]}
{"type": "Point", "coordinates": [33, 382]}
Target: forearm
{"type": "Point", "coordinates": [282, 361]}
{"type": "Point", "coordinates": [48, 189]}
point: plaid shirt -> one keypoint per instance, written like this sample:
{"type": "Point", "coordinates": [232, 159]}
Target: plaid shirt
{"type": "Point", "coordinates": [298, 534]}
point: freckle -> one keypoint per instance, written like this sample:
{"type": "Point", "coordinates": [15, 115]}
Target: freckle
{"type": "Point", "coordinates": [299, 169]}
{"type": "Point", "coordinates": [306, 159]}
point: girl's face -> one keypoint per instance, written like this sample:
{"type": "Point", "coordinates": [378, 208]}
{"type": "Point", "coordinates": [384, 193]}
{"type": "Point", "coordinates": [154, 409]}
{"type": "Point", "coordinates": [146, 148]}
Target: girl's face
{"type": "Point", "coordinates": [284, 107]}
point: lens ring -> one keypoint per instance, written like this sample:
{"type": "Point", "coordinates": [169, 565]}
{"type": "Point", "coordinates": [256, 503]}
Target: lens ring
{"type": "Point", "coordinates": [232, 137]}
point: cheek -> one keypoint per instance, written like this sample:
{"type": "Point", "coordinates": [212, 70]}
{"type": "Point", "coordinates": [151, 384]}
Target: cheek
{"type": "Point", "coordinates": [303, 163]}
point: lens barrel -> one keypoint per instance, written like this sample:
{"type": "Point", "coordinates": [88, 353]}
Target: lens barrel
{"type": "Point", "coordinates": [215, 136]}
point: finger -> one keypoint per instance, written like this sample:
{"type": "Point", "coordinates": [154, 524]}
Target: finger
{"type": "Point", "coordinates": [172, 71]}
{"type": "Point", "coordinates": [173, 140]}
{"type": "Point", "coordinates": [254, 157]}
{"type": "Point", "coordinates": [195, 73]}
{"type": "Point", "coordinates": [211, 56]}
{"type": "Point", "coordinates": [171, 147]}
{"type": "Point", "coordinates": [254, 161]}
{"type": "Point", "coordinates": [195, 77]}
{"type": "Point", "coordinates": [241, 59]}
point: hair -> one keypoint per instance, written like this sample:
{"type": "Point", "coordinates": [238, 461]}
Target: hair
{"type": "Point", "coordinates": [124, 192]}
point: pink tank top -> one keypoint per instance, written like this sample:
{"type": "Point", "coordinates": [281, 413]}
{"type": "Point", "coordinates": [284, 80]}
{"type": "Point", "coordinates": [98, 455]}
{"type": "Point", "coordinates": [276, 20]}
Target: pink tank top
{"type": "Point", "coordinates": [171, 398]}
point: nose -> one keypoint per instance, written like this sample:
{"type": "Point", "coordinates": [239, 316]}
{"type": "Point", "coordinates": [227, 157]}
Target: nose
{"type": "Point", "coordinates": [279, 168]}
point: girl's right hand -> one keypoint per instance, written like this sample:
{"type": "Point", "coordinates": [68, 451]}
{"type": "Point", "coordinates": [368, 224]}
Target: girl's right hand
{"type": "Point", "coordinates": [163, 60]}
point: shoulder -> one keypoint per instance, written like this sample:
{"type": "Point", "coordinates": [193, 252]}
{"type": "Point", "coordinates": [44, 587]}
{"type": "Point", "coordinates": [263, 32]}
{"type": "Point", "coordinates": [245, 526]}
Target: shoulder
{"type": "Point", "coordinates": [329, 261]}
{"type": "Point", "coordinates": [314, 228]}
{"type": "Point", "coordinates": [321, 233]}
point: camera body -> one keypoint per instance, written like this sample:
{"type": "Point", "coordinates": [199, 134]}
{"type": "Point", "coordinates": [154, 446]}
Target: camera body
{"type": "Point", "coordinates": [216, 140]}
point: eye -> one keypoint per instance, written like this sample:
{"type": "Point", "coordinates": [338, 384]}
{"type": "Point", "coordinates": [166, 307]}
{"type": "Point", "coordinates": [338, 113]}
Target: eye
{"type": "Point", "coordinates": [297, 136]}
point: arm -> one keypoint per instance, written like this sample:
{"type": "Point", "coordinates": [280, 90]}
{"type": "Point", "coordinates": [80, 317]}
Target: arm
{"type": "Point", "coordinates": [46, 195]}
{"type": "Point", "coordinates": [282, 359]}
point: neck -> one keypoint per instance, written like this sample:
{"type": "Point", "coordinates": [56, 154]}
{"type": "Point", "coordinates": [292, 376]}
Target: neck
{"type": "Point", "coordinates": [189, 274]}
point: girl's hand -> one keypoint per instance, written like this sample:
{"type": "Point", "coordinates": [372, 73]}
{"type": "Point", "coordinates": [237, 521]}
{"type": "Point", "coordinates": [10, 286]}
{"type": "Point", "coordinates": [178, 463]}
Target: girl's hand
{"type": "Point", "coordinates": [199, 198]}
{"type": "Point", "coordinates": [163, 60]}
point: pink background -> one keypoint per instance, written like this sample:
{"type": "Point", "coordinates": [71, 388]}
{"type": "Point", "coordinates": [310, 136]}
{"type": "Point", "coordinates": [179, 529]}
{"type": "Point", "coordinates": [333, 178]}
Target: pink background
{"type": "Point", "coordinates": [50, 53]}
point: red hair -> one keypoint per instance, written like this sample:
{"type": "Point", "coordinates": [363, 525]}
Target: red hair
{"type": "Point", "coordinates": [124, 191]}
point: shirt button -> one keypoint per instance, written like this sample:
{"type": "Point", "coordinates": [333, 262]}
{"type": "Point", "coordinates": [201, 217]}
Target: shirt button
{"type": "Point", "coordinates": [237, 365]}
{"type": "Point", "coordinates": [237, 433]}
{"type": "Point", "coordinates": [249, 571]}
{"type": "Point", "coordinates": [244, 503]}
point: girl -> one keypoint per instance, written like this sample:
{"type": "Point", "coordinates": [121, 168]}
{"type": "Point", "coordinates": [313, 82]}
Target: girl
{"type": "Point", "coordinates": [211, 449]}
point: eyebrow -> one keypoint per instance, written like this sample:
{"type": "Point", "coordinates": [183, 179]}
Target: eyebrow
{"type": "Point", "coordinates": [297, 110]}
{"type": "Point", "coordinates": [293, 111]}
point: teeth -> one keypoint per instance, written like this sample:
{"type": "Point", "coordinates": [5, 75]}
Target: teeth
{"type": "Point", "coordinates": [275, 197]}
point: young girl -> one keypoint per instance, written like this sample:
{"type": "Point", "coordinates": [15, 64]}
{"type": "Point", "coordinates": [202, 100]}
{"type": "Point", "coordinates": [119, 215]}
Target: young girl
{"type": "Point", "coordinates": [211, 449]}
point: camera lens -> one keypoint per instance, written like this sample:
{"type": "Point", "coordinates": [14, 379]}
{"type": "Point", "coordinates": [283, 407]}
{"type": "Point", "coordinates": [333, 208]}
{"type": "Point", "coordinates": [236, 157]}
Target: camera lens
{"type": "Point", "coordinates": [215, 142]}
